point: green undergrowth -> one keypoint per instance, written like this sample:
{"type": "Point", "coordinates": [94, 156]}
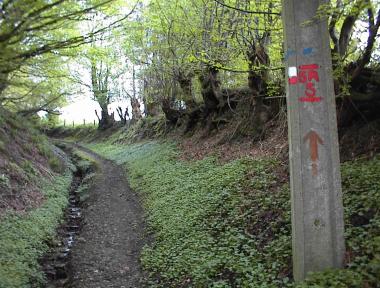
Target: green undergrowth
{"type": "Point", "coordinates": [145, 128]}
{"type": "Point", "coordinates": [84, 162]}
{"type": "Point", "coordinates": [24, 238]}
{"type": "Point", "coordinates": [361, 196]}
{"type": "Point", "coordinates": [228, 225]}
{"type": "Point", "coordinates": [80, 132]}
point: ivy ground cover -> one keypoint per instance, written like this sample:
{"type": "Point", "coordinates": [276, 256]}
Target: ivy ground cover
{"type": "Point", "coordinates": [228, 225]}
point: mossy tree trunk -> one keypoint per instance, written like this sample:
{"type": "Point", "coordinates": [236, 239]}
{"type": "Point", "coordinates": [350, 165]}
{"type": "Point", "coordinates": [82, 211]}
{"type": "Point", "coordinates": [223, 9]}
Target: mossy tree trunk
{"type": "Point", "coordinates": [210, 89]}
{"type": "Point", "coordinates": [257, 82]}
{"type": "Point", "coordinates": [185, 82]}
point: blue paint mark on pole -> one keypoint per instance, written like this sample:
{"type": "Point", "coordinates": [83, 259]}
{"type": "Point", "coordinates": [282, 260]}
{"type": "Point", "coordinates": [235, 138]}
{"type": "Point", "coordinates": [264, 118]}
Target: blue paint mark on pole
{"type": "Point", "coordinates": [289, 53]}
{"type": "Point", "coordinates": [307, 51]}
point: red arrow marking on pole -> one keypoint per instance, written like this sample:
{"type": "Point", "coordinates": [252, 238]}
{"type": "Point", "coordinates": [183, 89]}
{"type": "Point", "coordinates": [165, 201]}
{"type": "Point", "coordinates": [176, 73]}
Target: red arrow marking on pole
{"type": "Point", "coordinates": [314, 140]}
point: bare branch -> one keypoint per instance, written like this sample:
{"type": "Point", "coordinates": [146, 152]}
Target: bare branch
{"type": "Point", "coordinates": [248, 11]}
{"type": "Point", "coordinates": [348, 25]}
{"type": "Point", "coordinates": [332, 24]}
{"type": "Point", "coordinates": [372, 33]}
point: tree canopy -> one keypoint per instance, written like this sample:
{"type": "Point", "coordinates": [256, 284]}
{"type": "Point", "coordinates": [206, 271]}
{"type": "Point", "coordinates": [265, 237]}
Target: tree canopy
{"type": "Point", "coordinates": [170, 56]}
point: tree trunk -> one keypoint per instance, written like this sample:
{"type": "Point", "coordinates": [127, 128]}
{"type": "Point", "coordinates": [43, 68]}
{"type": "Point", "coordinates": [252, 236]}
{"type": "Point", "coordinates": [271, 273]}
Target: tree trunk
{"type": "Point", "coordinates": [122, 115]}
{"type": "Point", "coordinates": [171, 114]}
{"type": "Point", "coordinates": [136, 112]}
{"type": "Point", "coordinates": [210, 89]}
{"type": "Point", "coordinates": [185, 82]}
{"type": "Point", "coordinates": [152, 109]}
{"type": "Point", "coordinates": [259, 113]}
{"type": "Point", "coordinates": [105, 120]}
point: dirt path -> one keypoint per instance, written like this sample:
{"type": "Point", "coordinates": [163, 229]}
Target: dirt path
{"type": "Point", "coordinates": [108, 248]}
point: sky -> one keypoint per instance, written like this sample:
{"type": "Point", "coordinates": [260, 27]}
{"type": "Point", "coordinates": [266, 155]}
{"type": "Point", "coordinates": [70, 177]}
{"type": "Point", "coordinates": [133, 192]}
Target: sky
{"type": "Point", "coordinates": [84, 109]}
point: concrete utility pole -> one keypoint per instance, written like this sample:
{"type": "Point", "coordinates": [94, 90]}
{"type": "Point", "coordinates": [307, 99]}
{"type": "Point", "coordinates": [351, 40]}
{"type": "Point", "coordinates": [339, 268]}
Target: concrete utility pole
{"type": "Point", "coordinates": [317, 210]}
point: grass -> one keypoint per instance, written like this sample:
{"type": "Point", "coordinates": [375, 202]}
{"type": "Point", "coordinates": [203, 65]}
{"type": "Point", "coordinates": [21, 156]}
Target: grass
{"type": "Point", "coordinates": [229, 225]}
{"type": "Point", "coordinates": [79, 132]}
{"type": "Point", "coordinates": [145, 128]}
{"type": "Point", "coordinates": [24, 237]}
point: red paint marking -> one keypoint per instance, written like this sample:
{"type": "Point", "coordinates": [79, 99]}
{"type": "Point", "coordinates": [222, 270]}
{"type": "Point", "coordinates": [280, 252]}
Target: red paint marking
{"type": "Point", "coordinates": [308, 73]}
{"type": "Point", "coordinates": [310, 99]}
{"type": "Point", "coordinates": [302, 76]}
{"type": "Point", "coordinates": [309, 66]}
{"type": "Point", "coordinates": [310, 89]}
{"type": "Point", "coordinates": [314, 141]}
{"type": "Point", "coordinates": [313, 75]}
{"type": "Point", "coordinates": [293, 80]}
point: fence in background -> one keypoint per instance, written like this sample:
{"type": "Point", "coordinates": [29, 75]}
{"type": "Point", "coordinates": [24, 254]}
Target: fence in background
{"type": "Point", "coordinates": [84, 123]}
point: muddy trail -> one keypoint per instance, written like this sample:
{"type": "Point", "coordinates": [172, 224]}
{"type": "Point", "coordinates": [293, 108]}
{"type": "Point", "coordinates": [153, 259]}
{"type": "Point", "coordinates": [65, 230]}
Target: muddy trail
{"type": "Point", "coordinates": [106, 253]}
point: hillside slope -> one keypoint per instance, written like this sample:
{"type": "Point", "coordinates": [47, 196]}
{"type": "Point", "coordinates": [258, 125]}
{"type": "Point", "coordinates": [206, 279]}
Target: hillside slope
{"type": "Point", "coordinates": [34, 182]}
{"type": "Point", "coordinates": [25, 158]}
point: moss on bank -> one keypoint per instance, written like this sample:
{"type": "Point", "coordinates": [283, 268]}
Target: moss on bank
{"type": "Point", "coordinates": [24, 237]}
{"type": "Point", "coordinates": [87, 167]}
{"type": "Point", "coordinates": [228, 225]}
